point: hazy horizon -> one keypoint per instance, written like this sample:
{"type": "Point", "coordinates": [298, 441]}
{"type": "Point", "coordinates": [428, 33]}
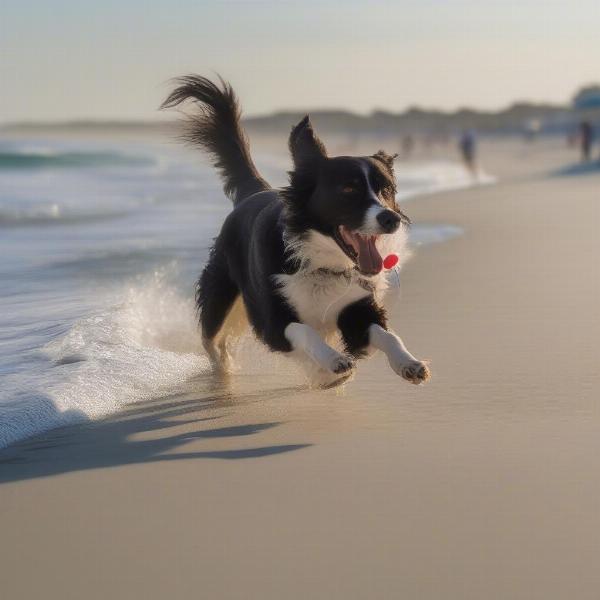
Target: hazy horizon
{"type": "Point", "coordinates": [73, 61]}
{"type": "Point", "coordinates": [167, 117]}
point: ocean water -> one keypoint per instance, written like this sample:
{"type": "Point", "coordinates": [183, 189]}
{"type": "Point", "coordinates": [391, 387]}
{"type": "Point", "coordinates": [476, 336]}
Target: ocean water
{"type": "Point", "coordinates": [101, 243]}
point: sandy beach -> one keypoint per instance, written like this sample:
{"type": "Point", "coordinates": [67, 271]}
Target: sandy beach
{"type": "Point", "coordinates": [483, 484]}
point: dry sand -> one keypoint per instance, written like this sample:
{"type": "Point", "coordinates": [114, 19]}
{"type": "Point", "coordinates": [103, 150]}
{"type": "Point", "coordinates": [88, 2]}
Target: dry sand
{"type": "Point", "coordinates": [483, 484]}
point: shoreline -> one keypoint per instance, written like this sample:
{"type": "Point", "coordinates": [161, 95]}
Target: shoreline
{"type": "Point", "coordinates": [51, 394]}
{"type": "Point", "coordinates": [482, 484]}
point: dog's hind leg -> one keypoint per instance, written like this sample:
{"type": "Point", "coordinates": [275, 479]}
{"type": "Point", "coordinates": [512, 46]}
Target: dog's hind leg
{"type": "Point", "coordinates": [215, 298]}
{"type": "Point", "coordinates": [234, 326]}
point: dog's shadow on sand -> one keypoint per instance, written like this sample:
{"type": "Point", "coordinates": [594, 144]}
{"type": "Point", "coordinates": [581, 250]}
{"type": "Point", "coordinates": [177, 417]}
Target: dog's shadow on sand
{"type": "Point", "coordinates": [141, 434]}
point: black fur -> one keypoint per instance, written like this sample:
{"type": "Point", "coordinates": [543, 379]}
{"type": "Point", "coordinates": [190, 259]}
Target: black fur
{"type": "Point", "coordinates": [323, 194]}
{"type": "Point", "coordinates": [216, 128]}
{"type": "Point", "coordinates": [354, 322]}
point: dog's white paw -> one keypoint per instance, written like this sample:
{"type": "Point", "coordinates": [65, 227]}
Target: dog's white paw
{"type": "Point", "coordinates": [339, 364]}
{"type": "Point", "coordinates": [415, 371]}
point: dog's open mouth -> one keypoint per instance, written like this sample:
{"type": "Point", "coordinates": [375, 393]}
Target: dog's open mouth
{"type": "Point", "coordinates": [361, 249]}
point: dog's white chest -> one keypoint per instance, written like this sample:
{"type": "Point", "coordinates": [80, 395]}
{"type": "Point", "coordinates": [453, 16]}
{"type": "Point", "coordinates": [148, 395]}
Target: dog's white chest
{"type": "Point", "coordinates": [319, 298]}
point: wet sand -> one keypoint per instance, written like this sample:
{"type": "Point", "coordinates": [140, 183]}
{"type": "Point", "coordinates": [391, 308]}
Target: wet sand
{"type": "Point", "coordinates": [482, 484]}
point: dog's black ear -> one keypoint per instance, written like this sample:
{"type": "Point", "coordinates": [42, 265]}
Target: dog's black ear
{"type": "Point", "coordinates": [305, 146]}
{"type": "Point", "coordinates": [385, 158]}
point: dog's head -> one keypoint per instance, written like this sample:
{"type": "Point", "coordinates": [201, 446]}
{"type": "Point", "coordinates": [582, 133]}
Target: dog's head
{"type": "Point", "coordinates": [342, 209]}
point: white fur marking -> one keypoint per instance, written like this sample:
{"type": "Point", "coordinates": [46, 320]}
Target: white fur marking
{"type": "Point", "coordinates": [391, 345]}
{"type": "Point", "coordinates": [305, 338]}
{"type": "Point", "coordinates": [319, 297]}
{"type": "Point", "coordinates": [400, 359]}
{"type": "Point", "coordinates": [370, 224]}
{"type": "Point", "coordinates": [316, 251]}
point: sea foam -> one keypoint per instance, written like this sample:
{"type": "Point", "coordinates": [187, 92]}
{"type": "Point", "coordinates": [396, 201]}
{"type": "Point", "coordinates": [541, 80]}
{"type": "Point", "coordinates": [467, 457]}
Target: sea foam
{"type": "Point", "coordinates": [143, 345]}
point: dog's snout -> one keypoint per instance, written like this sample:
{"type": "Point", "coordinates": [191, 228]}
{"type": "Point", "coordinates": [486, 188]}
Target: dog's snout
{"type": "Point", "coordinates": [388, 220]}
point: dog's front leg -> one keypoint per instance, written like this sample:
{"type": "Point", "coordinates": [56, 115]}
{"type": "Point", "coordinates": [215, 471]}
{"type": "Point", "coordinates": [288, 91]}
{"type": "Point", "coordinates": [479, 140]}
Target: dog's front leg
{"type": "Point", "coordinates": [400, 359]}
{"type": "Point", "coordinates": [305, 338]}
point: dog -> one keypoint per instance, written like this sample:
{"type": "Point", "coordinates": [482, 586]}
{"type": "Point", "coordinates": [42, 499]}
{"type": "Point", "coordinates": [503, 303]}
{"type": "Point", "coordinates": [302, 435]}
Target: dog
{"type": "Point", "coordinates": [303, 263]}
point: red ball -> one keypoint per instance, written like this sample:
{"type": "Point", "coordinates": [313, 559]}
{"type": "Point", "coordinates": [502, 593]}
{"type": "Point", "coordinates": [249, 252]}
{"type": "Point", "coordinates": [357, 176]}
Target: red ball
{"type": "Point", "coordinates": [390, 261]}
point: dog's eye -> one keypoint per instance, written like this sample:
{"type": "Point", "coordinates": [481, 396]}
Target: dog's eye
{"type": "Point", "coordinates": [350, 187]}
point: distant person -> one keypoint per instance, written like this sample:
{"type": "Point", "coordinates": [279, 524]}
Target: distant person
{"type": "Point", "coordinates": [468, 150]}
{"type": "Point", "coordinates": [586, 137]}
{"type": "Point", "coordinates": [408, 145]}
{"type": "Point", "coordinates": [532, 129]}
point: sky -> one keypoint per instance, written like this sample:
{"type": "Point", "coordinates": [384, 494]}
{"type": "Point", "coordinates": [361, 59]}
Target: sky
{"type": "Point", "coordinates": [109, 59]}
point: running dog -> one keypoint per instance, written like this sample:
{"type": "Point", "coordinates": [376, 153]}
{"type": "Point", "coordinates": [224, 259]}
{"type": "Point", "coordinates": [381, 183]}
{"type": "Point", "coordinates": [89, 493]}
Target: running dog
{"type": "Point", "coordinates": [302, 263]}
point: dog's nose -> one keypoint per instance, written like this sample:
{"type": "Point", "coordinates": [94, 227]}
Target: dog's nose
{"type": "Point", "coordinates": [388, 220]}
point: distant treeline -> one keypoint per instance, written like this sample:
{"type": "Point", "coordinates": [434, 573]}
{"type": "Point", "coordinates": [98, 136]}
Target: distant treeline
{"type": "Point", "coordinates": [518, 118]}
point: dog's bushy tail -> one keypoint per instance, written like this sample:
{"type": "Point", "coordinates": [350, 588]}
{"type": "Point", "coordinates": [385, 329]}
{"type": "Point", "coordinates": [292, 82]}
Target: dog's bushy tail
{"type": "Point", "coordinates": [216, 128]}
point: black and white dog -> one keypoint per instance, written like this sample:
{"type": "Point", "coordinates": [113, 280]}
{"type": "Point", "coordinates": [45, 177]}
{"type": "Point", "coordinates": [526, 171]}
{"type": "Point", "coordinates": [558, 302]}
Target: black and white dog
{"type": "Point", "coordinates": [302, 263]}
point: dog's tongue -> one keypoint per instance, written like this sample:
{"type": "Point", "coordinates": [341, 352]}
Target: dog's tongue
{"type": "Point", "coordinates": [368, 258]}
